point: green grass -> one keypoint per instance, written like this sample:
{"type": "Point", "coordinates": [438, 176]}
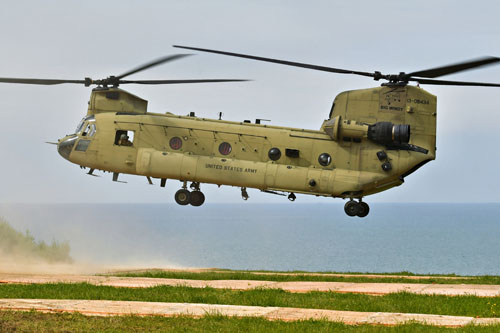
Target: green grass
{"type": "Point", "coordinates": [40, 322]}
{"type": "Point", "coordinates": [398, 302]}
{"type": "Point", "coordinates": [248, 275]}
{"type": "Point", "coordinates": [403, 273]}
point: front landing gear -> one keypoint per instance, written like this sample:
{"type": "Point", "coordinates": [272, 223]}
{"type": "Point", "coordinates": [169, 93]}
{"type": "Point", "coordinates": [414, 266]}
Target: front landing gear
{"type": "Point", "coordinates": [197, 198]}
{"type": "Point", "coordinates": [184, 197]}
{"type": "Point", "coordinates": [353, 208]}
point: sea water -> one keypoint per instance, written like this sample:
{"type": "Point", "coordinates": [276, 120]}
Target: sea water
{"type": "Point", "coordinates": [420, 238]}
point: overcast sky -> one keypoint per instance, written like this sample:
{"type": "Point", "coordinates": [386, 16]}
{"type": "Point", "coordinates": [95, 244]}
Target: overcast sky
{"type": "Point", "coordinates": [75, 39]}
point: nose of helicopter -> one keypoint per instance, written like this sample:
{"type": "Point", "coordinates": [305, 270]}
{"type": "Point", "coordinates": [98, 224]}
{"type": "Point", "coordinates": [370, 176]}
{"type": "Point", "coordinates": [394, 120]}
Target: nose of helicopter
{"type": "Point", "coordinates": [65, 146]}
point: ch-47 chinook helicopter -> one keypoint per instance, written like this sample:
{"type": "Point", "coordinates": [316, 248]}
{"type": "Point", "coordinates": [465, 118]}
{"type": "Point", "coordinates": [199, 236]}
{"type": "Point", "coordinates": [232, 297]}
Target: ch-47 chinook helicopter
{"type": "Point", "coordinates": [364, 146]}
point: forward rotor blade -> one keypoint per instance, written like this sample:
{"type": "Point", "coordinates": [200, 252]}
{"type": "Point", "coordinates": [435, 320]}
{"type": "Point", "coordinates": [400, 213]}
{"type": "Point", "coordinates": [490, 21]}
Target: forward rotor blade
{"type": "Point", "coordinates": [153, 63]}
{"type": "Point", "coordinates": [178, 81]}
{"type": "Point", "coordinates": [38, 81]}
{"type": "Point", "coordinates": [454, 83]}
{"type": "Point", "coordinates": [281, 62]}
{"type": "Point", "coordinates": [455, 68]}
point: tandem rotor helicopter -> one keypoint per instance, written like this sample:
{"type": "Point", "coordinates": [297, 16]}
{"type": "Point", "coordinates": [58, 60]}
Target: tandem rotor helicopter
{"type": "Point", "coordinates": [372, 140]}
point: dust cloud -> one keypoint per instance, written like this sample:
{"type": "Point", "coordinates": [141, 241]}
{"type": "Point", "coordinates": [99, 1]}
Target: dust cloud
{"type": "Point", "coordinates": [21, 253]}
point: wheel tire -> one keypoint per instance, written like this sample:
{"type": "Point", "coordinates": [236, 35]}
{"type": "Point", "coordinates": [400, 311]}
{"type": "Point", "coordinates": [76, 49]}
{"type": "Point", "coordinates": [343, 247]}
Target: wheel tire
{"type": "Point", "coordinates": [351, 208]}
{"type": "Point", "coordinates": [182, 197]}
{"type": "Point", "coordinates": [197, 198]}
{"type": "Point", "coordinates": [364, 209]}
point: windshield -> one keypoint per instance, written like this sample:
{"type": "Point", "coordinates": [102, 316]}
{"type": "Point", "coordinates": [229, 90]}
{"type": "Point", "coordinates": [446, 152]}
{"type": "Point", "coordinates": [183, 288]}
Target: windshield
{"type": "Point", "coordinates": [80, 125]}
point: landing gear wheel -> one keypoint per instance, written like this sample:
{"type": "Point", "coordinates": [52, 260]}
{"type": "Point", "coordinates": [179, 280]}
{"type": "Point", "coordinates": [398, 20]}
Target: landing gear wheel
{"type": "Point", "coordinates": [351, 208]}
{"type": "Point", "coordinates": [363, 209]}
{"type": "Point", "coordinates": [197, 198]}
{"type": "Point", "coordinates": [182, 197]}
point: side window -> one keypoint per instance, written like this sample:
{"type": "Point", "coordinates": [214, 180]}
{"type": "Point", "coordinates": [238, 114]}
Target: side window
{"type": "Point", "coordinates": [124, 138]}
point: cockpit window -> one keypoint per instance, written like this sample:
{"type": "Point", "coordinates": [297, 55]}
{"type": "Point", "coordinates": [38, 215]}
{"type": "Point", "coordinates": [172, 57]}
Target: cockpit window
{"type": "Point", "coordinates": [80, 125]}
{"type": "Point", "coordinates": [92, 129]}
{"type": "Point", "coordinates": [89, 130]}
{"type": "Point", "coordinates": [86, 130]}
{"type": "Point", "coordinates": [82, 145]}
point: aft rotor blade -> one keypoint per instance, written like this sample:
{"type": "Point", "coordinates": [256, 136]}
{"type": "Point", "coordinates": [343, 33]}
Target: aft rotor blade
{"type": "Point", "coordinates": [281, 62]}
{"type": "Point", "coordinates": [153, 63]}
{"type": "Point", "coordinates": [455, 68]}
{"type": "Point", "coordinates": [454, 83]}
{"type": "Point", "coordinates": [38, 81]}
{"type": "Point", "coordinates": [179, 81]}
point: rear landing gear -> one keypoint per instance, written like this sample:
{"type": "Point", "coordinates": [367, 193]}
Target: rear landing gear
{"type": "Point", "coordinates": [184, 197]}
{"type": "Point", "coordinates": [353, 208]}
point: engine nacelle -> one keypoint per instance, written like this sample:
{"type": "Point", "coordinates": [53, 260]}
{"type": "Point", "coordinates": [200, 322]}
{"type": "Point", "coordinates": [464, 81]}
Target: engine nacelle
{"type": "Point", "coordinates": [383, 132]}
{"type": "Point", "coordinates": [387, 133]}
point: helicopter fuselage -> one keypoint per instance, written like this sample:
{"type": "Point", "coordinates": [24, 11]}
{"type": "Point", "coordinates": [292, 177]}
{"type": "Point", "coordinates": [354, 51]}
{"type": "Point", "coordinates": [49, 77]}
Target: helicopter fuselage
{"type": "Point", "coordinates": [345, 158]}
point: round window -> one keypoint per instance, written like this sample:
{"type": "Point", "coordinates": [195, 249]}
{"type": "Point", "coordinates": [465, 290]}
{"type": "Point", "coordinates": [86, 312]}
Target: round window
{"type": "Point", "coordinates": [176, 143]}
{"type": "Point", "coordinates": [325, 159]}
{"type": "Point", "coordinates": [225, 148]}
{"type": "Point", "coordinates": [274, 154]}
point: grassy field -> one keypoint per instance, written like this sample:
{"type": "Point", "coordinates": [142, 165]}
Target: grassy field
{"type": "Point", "coordinates": [302, 276]}
{"type": "Point", "coordinates": [472, 306]}
{"type": "Point", "coordinates": [398, 302]}
{"type": "Point", "coordinates": [40, 322]}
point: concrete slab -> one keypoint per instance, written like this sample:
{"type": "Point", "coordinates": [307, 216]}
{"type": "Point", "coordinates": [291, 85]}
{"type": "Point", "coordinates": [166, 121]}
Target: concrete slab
{"type": "Point", "coordinates": [383, 288]}
{"type": "Point", "coordinates": [462, 289]}
{"type": "Point", "coordinates": [114, 308]}
{"type": "Point", "coordinates": [298, 286]}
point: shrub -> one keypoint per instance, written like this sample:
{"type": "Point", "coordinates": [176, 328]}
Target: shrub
{"type": "Point", "coordinates": [17, 245]}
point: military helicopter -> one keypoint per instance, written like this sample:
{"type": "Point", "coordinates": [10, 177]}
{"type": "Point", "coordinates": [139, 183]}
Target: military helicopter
{"type": "Point", "coordinates": [364, 147]}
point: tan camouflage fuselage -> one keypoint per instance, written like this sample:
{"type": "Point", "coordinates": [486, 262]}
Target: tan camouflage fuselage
{"type": "Point", "coordinates": [237, 153]}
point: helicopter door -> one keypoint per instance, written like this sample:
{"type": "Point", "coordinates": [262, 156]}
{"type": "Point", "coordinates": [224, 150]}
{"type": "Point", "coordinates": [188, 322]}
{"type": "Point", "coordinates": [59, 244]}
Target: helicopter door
{"type": "Point", "coordinates": [124, 150]}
